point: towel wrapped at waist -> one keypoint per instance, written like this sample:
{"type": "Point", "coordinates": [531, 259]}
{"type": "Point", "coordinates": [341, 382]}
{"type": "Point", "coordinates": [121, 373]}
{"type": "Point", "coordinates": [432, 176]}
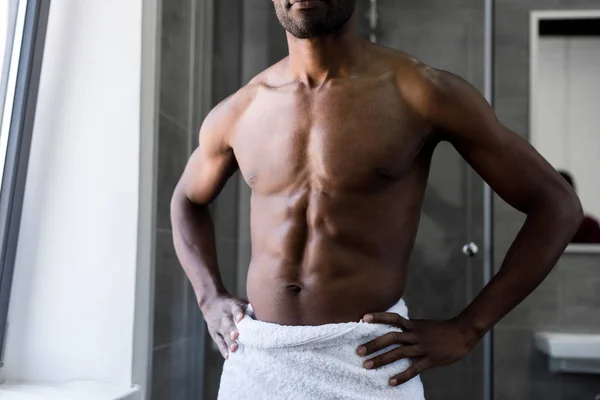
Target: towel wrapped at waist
{"type": "Point", "coordinates": [311, 362]}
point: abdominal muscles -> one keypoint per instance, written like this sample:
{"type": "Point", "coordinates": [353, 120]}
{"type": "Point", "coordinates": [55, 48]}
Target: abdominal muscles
{"type": "Point", "coordinates": [320, 257]}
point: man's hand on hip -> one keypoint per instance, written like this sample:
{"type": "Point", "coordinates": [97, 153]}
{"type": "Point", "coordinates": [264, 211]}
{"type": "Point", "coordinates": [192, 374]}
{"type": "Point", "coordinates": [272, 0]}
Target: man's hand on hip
{"type": "Point", "coordinates": [429, 344]}
{"type": "Point", "coordinates": [220, 314]}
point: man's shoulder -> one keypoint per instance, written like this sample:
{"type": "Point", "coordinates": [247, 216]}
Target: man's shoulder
{"type": "Point", "coordinates": [232, 107]}
{"type": "Point", "coordinates": [228, 111]}
{"type": "Point", "coordinates": [402, 64]}
{"type": "Point", "coordinates": [419, 84]}
{"type": "Point", "coordinates": [414, 77]}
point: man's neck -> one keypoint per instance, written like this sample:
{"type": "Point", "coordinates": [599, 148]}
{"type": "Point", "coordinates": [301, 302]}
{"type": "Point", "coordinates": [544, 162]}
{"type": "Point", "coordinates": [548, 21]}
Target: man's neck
{"type": "Point", "coordinates": [318, 59]}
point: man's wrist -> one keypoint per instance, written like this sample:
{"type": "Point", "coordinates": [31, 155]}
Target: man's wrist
{"type": "Point", "coordinates": [207, 297]}
{"type": "Point", "coordinates": [471, 332]}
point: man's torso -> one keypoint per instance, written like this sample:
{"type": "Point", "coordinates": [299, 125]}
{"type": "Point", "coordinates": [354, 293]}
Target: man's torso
{"type": "Point", "coordinates": [337, 175]}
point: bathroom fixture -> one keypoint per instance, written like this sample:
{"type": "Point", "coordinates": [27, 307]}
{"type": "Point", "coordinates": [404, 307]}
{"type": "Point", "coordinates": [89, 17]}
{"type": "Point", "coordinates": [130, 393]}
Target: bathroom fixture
{"type": "Point", "coordinates": [570, 352]}
{"type": "Point", "coordinates": [373, 16]}
{"type": "Point", "coordinates": [470, 249]}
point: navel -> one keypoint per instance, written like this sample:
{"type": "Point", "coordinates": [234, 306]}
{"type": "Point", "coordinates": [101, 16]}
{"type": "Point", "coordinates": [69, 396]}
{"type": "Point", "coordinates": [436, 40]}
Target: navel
{"type": "Point", "coordinates": [294, 288]}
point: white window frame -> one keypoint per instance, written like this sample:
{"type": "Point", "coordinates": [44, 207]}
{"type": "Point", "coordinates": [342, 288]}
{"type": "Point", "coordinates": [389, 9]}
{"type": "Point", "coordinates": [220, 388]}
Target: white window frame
{"type": "Point", "coordinates": [26, 52]}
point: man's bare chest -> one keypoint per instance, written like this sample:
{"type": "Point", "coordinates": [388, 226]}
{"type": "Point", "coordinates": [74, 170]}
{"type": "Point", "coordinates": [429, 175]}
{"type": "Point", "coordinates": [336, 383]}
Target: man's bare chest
{"type": "Point", "coordinates": [344, 139]}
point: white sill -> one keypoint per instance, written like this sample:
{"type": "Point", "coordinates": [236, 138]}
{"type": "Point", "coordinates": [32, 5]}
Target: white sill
{"type": "Point", "coordinates": [581, 248]}
{"type": "Point", "coordinates": [67, 391]}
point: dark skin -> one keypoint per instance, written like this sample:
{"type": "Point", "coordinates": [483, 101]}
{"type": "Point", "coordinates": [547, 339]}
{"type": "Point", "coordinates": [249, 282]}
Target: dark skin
{"type": "Point", "coordinates": [335, 142]}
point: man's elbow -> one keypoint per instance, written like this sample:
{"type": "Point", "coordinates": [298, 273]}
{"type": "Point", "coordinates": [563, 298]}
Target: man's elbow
{"type": "Point", "coordinates": [179, 200]}
{"type": "Point", "coordinates": [570, 211]}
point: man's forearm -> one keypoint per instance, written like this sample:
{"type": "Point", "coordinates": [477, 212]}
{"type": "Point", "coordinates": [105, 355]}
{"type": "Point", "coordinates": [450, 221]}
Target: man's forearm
{"type": "Point", "coordinates": [194, 239]}
{"type": "Point", "coordinates": [536, 249]}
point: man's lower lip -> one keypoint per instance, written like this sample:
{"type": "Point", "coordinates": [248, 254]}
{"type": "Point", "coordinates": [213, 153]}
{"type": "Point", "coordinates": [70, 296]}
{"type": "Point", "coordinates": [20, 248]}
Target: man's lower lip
{"type": "Point", "coordinates": [307, 3]}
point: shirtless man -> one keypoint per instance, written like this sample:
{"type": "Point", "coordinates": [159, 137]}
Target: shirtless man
{"type": "Point", "coordinates": [335, 142]}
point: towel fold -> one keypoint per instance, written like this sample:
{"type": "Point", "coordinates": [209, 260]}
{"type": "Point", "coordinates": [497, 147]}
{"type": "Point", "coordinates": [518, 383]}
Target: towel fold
{"type": "Point", "coordinates": [311, 363]}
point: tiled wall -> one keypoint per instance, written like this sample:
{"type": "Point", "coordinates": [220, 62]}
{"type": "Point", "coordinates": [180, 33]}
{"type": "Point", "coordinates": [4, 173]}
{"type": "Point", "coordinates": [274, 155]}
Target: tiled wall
{"type": "Point", "coordinates": [172, 362]}
{"type": "Point", "coordinates": [178, 326]}
{"type": "Point", "coordinates": [569, 300]}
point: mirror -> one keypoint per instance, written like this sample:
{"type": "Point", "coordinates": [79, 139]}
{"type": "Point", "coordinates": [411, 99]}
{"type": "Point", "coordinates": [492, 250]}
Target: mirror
{"type": "Point", "coordinates": [565, 107]}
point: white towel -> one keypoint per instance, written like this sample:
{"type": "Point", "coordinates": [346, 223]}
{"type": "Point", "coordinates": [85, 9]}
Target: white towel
{"type": "Point", "coordinates": [311, 363]}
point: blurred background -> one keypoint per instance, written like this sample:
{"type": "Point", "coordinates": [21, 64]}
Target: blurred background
{"type": "Point", "coordinates": [93, 263]}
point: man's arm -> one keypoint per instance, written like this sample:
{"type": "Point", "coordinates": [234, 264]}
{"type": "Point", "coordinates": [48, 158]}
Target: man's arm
{"type": "Point", "coordinates": [456, 112]}
{"type": "Point", "coordinates": [205, 174]}
{"type": "Point", "coordinates": [207, 171]}
{"type": "Point", "coordinates": [517, 172]}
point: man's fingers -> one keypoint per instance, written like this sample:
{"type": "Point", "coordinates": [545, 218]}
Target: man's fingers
{"type": "Point", "coordinates": [221, 345]}
{"type": "Point", "coordinates": [389, 319]}
{"type": "Point", "coordinates": [393, 356]}
{"type": "Point", "coordinates": [414, 370]}
{"type": "Point", "coordinates": [386, 340]}
{"type": "Point", "coordinates": [229, 332]}
{"type": "Point", "coordinates": [238, 311]}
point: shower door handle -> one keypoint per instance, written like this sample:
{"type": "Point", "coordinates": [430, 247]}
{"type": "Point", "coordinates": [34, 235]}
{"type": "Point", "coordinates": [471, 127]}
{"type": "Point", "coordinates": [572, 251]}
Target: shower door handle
{"type": "Point", "coordinates": [470, 249]}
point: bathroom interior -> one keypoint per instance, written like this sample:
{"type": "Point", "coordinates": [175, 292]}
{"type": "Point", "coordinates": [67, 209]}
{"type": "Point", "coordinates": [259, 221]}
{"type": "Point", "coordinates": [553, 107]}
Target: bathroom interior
{"type": "Point", "coordinates": [99, 303]}
{"type": "Point", "coordinates": [537, 70]}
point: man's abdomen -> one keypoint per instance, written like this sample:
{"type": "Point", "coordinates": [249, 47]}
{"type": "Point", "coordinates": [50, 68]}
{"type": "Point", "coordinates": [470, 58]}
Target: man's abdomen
{"type": "Point", "coordinates": [332, 283]}
{"type": "Point", "coordinates": [326, 256]}
{"type": "Point", "coordinates": [323, 301]}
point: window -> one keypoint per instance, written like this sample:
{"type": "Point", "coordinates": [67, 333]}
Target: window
{"type": "Point", "coordinates": [22, 34]}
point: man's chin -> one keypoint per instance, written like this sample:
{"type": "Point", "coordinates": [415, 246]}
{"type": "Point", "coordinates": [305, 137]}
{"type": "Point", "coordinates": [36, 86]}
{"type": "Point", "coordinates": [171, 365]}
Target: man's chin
{"type": "Point", "coordinates": [304, 35]}
{"type": "Point", "coordinates": [307, 32]}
